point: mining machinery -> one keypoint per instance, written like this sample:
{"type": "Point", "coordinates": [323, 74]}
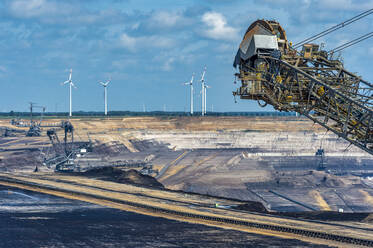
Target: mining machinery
{"type": "Point", "coordinates": [68, 155]}
{"type": "Point", "coordinates": [65, 153]}
{"type": "Point", "coordinates": [35, 125]}
{"type": "Point", "coordinates": [311, 81]}
{"type": "Point", "coordinates": [321, 155]}
{"type": "Point", "coordinates": [34, 129]}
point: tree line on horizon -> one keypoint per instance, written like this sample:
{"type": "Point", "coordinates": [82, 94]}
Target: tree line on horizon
{"type": "Point", "coordinates": [150, 113]}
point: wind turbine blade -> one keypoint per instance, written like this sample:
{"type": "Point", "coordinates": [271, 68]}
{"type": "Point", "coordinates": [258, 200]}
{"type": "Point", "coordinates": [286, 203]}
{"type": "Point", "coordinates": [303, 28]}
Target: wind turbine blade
{"type": "Point", "coordinates": [102, 83]}
{"type": "Point", "coordinates": [73, 85]}
{"type": "Point", "coordinates": [203, 74]}
{"type": "Point", "coordinates": [66, 82]}
{"type": "Point", "coordinates": [71, 73]}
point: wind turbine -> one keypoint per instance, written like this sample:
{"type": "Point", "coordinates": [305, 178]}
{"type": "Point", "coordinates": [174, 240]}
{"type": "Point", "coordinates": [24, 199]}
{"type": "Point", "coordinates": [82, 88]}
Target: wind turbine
{"type": "Point", "coordinates": [203, 91]}
{"type": "Point", "coordinates": [191, 93]}
{"type": "Point", "coordinates": [105, 84]}
{"type": "Point", "coordinates": [71, 84]}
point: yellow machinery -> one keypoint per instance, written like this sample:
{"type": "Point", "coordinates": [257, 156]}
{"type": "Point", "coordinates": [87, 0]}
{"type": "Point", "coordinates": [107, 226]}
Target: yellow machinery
{"type": "Point", "coordinates": [311, 82]}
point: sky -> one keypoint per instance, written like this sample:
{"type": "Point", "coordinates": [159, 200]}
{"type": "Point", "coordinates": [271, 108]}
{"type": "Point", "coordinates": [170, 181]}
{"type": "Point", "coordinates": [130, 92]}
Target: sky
{"type": "Point", "coordinates": [150, 48]}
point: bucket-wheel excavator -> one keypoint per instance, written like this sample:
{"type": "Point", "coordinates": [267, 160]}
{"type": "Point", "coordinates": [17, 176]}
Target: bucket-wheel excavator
{"type": "Point", "coordinates": [65, 153]}
{"type": "Point", "coordinates": [311, 82]}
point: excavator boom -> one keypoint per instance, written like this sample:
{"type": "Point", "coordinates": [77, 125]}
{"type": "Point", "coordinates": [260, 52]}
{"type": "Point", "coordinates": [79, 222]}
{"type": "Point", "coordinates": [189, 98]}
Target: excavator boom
{"type": "Point", "coordinates": [311, 82]}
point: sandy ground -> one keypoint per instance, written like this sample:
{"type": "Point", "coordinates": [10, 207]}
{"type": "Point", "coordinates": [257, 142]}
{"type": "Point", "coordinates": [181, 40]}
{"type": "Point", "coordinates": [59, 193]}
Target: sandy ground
{"type": "Point", "coordinates": [37, 220]}
{"type": "Point", "coordinates": [190, 123]}
{"type": "Point", "coordinates": [239, 157]}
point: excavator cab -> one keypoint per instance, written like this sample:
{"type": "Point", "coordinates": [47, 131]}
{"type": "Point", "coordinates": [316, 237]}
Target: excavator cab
{"type": "Point", "coordinates": [309, 50]}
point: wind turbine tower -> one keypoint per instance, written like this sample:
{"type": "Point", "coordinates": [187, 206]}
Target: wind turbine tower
{"type": "Point", "coordinates": [203, 92]}
{"type": "Point", "coordinates": [105, 84]}
{"type": "Point", "coordinates": [71, 84]}
{"type": "Point", "coordinates": [205, 87]}
{"type": "Point", "coordinates": [191, 93]}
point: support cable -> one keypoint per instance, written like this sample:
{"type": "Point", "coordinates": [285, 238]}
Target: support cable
{"type": "Point", "coordinates": [351, 43]}
{"type": "Point", "coordinates": [334, 28]}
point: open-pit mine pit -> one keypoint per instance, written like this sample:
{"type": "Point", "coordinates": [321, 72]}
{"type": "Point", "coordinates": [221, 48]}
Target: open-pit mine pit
{"type": "Point", "coordinates": [252, 164]}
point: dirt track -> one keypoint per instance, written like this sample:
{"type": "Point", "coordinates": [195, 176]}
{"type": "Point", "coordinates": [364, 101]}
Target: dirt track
{"type": "Point", "coordinates": [60, 188]}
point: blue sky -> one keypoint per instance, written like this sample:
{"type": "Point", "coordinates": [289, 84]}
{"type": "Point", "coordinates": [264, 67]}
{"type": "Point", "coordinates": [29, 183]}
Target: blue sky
{"type": "Point", "coordinates": [150, 47]}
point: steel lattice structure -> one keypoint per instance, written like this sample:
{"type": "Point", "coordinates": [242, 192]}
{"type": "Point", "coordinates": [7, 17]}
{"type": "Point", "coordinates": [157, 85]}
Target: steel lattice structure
{"type": "Point", "coordinates": [310, 82]}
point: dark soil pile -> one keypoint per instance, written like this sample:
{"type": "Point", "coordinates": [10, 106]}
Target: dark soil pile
{"type": "Point", "coordinates": [252, 207]}
{"type": "Point", "coordinates": [121, 176]}
{"type": "Point", "coordinates": [369, 219]}
{"type": "Point", "coordinates": [329, 216]}
{"type": "Point", "coordinates": [10, 132]}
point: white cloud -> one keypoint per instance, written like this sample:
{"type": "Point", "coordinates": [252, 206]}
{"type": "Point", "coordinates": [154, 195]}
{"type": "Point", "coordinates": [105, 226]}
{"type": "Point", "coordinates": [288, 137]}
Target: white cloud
{"type": "Point", "coordinates": [32, 8]}
{"type": "Point", "coordinates": [128, 41]}
{"type": "Point", "coordinates": [225, 48]}
{"type": "Point", "coordinates": [165, 19]}
{"type": "Point", "coordinates": [124, 63]}
{"type": "Point", "coordinates": [167, 66]}
{"type": "Point", "coordinates": [134, 43]}
{"type": "Point", "coordinates": [345, 4]}
{"type": "Point", "coordinates": [135, 26]}
{"type": "Point", "coordinates": [169, 59]}
{"type": "Point", "coordinates": [371, 51]}
{"type": "Point", "coordinates": [168, 20]}
{"type": "Point", "coordinates": [195, 47]}
{"type": "Point", "coordinates": [218, 28]}
{"type": "Point", "coordinates": [53, 11]}
{"type": "Point", "coordinates": [3, 71]}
